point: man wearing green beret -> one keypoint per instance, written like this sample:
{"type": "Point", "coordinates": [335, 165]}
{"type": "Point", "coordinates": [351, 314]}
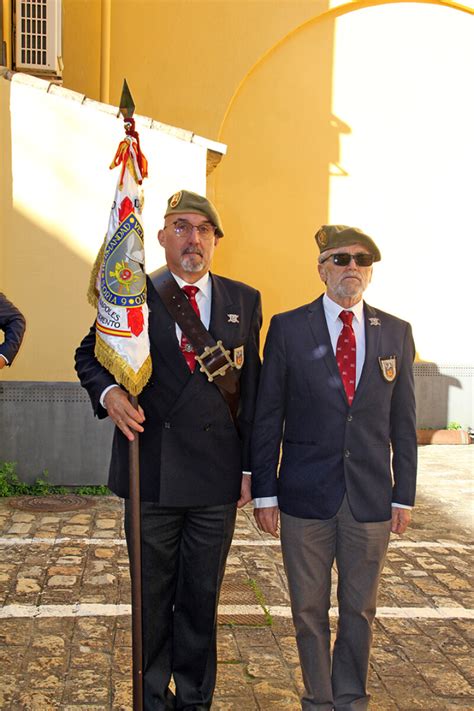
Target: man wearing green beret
{"type": "Point", "coordinates": [194, 420]}
{"type": "Point", "coordinates": [336, 391]}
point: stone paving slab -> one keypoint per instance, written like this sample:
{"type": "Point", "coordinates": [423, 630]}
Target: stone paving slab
{"type": "Point", "coordinates": [65, 638]}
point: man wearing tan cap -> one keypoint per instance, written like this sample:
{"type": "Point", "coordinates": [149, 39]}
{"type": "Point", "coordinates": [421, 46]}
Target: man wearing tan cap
{"type": "Point", "coordinates": [194, 422]}
{"type": "Point", "coordinates": [337, 391]}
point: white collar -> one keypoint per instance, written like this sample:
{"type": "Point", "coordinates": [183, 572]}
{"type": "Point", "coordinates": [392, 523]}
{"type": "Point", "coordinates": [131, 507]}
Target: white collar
{"type": "Point", "coordinates": [204, 284]}
{"type": "Point", "coordinates": [332, 310]}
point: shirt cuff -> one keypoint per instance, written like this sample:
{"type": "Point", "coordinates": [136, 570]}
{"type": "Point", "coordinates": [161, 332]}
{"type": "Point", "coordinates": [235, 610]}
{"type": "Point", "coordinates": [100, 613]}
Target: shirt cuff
{"type": "Point", "coordinates": [247, 473]}
{"type": "Point", "coordinates": [264, 502]}
{"type": "Point", "coordinates": [104, 393]}
{"type": "Point", "coordinates": [400, 506]}
{"type": "Point", "coordinates": [4, 358]}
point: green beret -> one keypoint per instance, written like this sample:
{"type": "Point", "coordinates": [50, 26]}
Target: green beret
{"type": "Point", "coordinates": [334, 236]}
{"type": "Point", "coordinates": [186, 201]}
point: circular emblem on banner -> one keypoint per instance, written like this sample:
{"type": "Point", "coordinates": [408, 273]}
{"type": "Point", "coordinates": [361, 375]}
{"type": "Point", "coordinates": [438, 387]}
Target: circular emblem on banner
{"type": "Point", "coordinates": [175, 199]}
{"type": "Point", "coordinates": [322, 238]}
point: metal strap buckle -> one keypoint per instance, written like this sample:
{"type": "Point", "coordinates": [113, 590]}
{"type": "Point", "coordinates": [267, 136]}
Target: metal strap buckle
{"type": "Point", "coordinates": [216, 356]}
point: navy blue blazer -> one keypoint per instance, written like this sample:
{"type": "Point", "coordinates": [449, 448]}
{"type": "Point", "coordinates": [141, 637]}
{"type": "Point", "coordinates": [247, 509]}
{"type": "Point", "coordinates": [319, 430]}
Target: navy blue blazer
{"type": "Point", "coordinates": [190, 452]}
{"type": "Point", "coordinates": [328, 449]}
{"type": "Point", "coordinates": [13, 324]}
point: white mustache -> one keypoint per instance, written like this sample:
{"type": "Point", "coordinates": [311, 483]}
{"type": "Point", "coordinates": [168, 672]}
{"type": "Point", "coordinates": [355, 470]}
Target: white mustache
{"type": "Point", "coordinates": [193, 250]}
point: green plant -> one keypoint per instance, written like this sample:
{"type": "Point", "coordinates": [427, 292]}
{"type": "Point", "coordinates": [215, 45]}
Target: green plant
{"type": "Point", "coordinates": [43, 487]}
{"type": "Point", "coordinates": [261, 600]}
{"type": "Point", "coordinates": [99, 490]}
{"type": "Point", "coordinates": [10, 485]}
{"type": "Point", "coordinates": [454, 426]}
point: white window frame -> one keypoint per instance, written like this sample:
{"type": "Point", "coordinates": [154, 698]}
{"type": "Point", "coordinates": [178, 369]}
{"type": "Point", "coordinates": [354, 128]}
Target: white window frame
{"type": "Point", "coordinates": [38, 36]}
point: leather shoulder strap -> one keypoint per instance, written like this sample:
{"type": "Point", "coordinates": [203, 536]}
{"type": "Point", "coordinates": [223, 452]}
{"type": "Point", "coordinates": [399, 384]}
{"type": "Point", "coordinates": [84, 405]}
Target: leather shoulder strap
{"type": "Point", "coordinates": [179, 308]}
{"type": "Point", "coordinates": [213, 358]}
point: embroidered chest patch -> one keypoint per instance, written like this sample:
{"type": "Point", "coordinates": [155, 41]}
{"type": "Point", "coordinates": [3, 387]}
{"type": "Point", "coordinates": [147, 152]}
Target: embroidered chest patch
{"type": "Point", "coordinates": [388, 366]}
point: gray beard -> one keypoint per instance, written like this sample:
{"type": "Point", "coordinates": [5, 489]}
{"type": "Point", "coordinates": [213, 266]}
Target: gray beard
{"type": "Point", "coordinates": [189, 263]}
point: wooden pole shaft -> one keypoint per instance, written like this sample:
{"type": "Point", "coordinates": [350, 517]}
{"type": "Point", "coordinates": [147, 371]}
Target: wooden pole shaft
{"type": "Point", "coordinates": [136, 569]}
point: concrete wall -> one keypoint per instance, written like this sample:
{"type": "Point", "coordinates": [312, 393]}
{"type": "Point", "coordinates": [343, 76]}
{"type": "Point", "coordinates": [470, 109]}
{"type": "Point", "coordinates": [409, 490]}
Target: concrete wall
{"type": "Point", "coordinates": [444, 394]}
{"type": "Point", "coordinates": [50, 426]}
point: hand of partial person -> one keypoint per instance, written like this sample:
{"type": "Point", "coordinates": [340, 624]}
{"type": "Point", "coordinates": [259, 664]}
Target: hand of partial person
{"type": "Point", "coordinates": [400, 519]}
{"type": "Point", "coordinates": [267, 519]}
{"type": "Point", "coordinates": [2, 363]}
{"type": "Point", "coordinates": [245, 491]}
{"type": "Point", "coordinates": [122, 412]}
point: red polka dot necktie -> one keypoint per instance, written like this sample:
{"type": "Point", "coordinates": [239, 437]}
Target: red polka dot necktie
{"type": "Point", "coordinates": [186, 348]}
{"type": "Point", "coordinates": [346, 354]}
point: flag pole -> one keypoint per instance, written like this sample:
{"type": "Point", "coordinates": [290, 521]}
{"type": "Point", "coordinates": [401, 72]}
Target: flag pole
{"type": "Point", "coordinates": [136, 568]}
{"type": "Point", "coordinates": [127, 108]}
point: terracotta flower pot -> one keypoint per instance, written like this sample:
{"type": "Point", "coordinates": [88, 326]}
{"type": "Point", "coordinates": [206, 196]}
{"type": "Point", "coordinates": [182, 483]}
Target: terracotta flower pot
{"type": "Point", "coordinates": [443, 437]}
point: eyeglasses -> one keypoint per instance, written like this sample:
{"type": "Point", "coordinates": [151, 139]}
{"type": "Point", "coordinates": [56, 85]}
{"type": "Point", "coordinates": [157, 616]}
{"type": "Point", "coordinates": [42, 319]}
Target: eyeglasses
{"type": "Point", "coordinates": [184, 229]}
{"type": "Point", "coordinates": [342, 259]}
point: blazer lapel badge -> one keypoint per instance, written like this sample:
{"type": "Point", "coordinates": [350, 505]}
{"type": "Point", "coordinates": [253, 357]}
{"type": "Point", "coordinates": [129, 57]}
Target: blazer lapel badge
{"type": "Point", "coordinates": [388, 366]}
{"type": "Point", "coordinates": [233, 318]}
{"type": "Point", "coordinates": [374, 321]}
{"type": "Point", "coordinates": [238, 357]}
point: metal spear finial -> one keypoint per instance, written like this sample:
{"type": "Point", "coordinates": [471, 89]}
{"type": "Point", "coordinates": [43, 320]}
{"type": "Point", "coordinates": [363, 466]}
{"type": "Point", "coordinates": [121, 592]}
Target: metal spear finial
{"type": "Point", "coordinates": [127, 107]}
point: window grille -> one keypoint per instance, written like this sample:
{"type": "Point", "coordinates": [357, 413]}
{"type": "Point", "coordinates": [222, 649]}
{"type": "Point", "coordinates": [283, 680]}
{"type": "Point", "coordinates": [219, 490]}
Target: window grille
{"type": "Point", "coordinates": [38, 35]}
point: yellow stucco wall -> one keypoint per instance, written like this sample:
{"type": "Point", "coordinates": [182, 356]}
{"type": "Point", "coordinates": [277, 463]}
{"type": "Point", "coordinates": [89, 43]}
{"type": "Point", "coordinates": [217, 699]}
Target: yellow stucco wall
{"type": "Point", "coordinates": [330, 115]}
{"type": "Point", "coordinates": [55, 195]}
{"type": "Point", "coordinates": [361, 114]}
{"type": "Point", "coordinates": [360, 117]}
{"type": "Point", "coordinates": [82, 29]}
{"type": "Point", "coordinates": [182, 58]}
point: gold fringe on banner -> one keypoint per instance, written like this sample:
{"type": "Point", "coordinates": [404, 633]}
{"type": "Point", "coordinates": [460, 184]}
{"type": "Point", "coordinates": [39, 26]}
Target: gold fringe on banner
{"type": "Point", "coordinates": [92, 293]}
{"type": "Point", "coordinates": [133, 382]}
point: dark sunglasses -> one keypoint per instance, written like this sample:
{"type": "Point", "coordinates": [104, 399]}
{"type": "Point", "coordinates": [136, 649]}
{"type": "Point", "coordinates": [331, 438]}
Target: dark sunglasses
{"type": "Point", "coordinates": [342, 259]}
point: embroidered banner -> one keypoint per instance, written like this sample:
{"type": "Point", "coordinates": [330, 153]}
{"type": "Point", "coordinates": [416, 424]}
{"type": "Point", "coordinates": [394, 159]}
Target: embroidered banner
{"type": "Point", "coordinates": [118, 282]}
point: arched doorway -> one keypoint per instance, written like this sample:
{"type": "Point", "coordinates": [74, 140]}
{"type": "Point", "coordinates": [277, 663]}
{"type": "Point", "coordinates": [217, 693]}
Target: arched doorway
{"type": "Point", "coordinates": [363, 115]}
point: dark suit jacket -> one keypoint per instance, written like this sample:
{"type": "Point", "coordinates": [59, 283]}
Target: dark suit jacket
{"type": "Point", "coordinates": [190, 451]}
{"type": "Point", "coordinates": [330, 448]}
{"type": "Point", "coordinates": [13, 324]}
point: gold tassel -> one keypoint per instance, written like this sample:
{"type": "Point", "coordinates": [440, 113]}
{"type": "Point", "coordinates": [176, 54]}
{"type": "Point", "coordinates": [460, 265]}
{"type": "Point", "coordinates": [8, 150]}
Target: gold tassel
{"type": "Point", "coordinates": [92, 293]}
{"type": "Point", "coordinates": [133, 382]}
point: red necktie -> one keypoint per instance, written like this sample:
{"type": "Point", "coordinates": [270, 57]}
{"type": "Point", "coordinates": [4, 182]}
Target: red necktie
{"type": "Point", "coordinates": [346, 354]}
{"type": "Point", "coordinates": [186, 347]}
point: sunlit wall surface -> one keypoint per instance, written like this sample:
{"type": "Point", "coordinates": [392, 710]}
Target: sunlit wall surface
{"type": "Point", "coordinates": [363, 117]}
{"type": "Point", "coordinates": [356, 114]}
{"type": "Point", "coordinates": [401, 84]}
{"type": "Point", "coordinates": [56, 211]}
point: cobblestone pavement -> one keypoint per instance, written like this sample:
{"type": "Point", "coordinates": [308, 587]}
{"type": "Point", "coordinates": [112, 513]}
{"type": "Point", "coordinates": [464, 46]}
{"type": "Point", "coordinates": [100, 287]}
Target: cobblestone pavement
{"type": "Point", "coordinates": [65, 626]}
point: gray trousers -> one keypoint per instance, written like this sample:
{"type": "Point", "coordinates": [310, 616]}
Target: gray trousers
{"type": "Point", "coordinates": [310, 547]}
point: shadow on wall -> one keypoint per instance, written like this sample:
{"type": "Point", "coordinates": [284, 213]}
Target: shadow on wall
{"type": "Point", "coordinates": [441, 397]}
{"type": "Point", "coordinates": [50, 283]}
{"type": "Point", "coordinates": [48, 424]}
{"type": "Point", "coordinates": [273, 188]}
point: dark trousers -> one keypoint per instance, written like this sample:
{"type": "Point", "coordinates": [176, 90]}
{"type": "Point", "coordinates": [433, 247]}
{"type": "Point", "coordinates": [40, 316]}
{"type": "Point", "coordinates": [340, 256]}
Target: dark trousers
{"type": "Point", "coordinates": [310, 547]}
{"type": "Point", "coordinates": [184, 551]}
